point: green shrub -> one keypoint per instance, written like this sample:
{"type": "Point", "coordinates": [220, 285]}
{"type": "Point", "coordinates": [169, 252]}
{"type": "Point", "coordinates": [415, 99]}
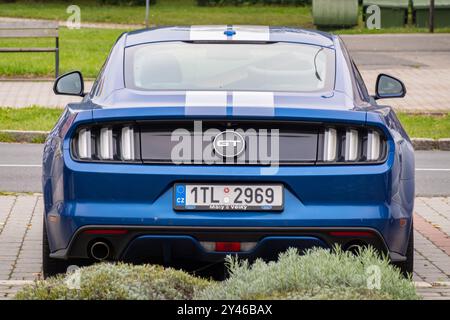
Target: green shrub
{"type": "Point", "coordinates": [319, 274]}
{"type": "Point", "coordinates": [252, 2]}
{"type": "Point", "coordinates": [118, 281]}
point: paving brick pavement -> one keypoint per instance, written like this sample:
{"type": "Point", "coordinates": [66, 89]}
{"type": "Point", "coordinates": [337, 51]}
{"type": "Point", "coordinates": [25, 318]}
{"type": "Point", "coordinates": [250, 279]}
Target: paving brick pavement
{"type": "Point", "coordinates": [20, 94]}
{"type": "Point", "coordinates": [21, 232]}
{"type": "Point", "coordinates": [427, 91]}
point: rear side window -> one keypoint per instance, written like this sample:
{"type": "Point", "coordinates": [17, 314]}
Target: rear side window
{"type": "Point", "coordinates": [230, 67]}
{"type": "Point", "coordinates": [360, 82]}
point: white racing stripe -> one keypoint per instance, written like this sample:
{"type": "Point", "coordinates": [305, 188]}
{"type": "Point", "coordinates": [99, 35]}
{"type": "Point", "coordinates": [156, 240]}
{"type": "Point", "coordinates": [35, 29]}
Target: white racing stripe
{"type": "Point", "coordinates": [197, 102]}
{"type": "Point", "coordinates": [251, 33]}
{"type": "Point", "coordinates": [208, 33]}
{"type": "Point", "coordinates": [253, 103]}
{"type": "Point", "coordinates": [243, 33]}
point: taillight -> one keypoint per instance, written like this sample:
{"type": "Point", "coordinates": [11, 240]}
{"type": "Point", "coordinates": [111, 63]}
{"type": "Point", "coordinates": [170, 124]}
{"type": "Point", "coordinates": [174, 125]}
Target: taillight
{"type": "Point", "coordinates": [106, 143]}
{"type": "Point", "coordinates": [351, 145]}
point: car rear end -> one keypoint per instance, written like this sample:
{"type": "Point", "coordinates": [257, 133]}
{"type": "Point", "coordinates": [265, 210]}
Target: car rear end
{"type": "Point", "coordinates": [334, 183]}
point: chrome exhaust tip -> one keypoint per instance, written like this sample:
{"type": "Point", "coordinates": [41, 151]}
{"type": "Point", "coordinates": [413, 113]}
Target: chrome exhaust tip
{"type": "Point", "coordinates": [100, 250]}
{"type": "Point", "coordinates": [356, 248]}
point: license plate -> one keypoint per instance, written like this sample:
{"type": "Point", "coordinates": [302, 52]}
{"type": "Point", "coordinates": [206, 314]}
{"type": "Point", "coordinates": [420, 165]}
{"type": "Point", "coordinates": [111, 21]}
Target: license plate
{"type": "Point", "coordinates": [233, 197]}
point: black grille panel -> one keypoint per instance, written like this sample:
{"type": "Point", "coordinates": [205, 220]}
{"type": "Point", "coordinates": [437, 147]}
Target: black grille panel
{"type": "Point", "coordinates": [297, 143]}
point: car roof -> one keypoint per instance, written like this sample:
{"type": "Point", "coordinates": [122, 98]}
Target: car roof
{"type": "Point", "coordinates": [230, 33]}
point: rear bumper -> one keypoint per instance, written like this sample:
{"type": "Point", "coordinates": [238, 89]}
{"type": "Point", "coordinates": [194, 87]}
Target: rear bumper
{"type": "Point", "coordinates": [172, 245]}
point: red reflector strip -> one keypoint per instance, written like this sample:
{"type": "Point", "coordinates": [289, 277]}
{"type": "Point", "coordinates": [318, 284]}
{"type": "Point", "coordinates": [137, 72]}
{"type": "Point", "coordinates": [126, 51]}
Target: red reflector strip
{"type": "Point", "coordinates": [228, 246]}
{"type": "Point", "coordinates": [351, 234]}
{"type": "Point", "coordinates": [106, 231]}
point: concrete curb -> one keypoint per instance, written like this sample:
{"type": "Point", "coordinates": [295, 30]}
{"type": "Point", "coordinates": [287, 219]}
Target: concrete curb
{"type": "Point", "coordinates": [24, 136]}
{"type": "Point", "coordinates": [431, 144]}
{"type": "Point", "coordinates": [39, 136]}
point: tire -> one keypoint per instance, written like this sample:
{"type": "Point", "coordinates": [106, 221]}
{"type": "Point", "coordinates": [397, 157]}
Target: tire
{"type": "Point", "coordinates": [407, 267]}
{"type": "Point", "coordinates": [51, 267]}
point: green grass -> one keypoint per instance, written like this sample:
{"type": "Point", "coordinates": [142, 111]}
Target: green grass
{"type": "Point", "coordinates": [32, 118]}
{"type": "Point", "coordinates": [426, 126]}
{"type": "Point", "coordinates": [84, 49]}
{"type": "Point", "coordinates": [165, 12]}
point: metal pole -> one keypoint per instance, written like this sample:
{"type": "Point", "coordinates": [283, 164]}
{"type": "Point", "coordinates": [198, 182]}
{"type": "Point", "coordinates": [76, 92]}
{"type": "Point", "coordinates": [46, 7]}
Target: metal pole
{"type": "Point", "coordinates": [57, 58]}
{"type": "Point", "coordinates": [431, 21]}
{"type": "Point", "coordinates": [147, 12]}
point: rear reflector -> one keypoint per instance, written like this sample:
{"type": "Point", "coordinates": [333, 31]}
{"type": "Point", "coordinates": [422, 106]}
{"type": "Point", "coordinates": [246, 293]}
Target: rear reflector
{"type": "Point", "coordinates": [351, 234]}
{"type": "Point", "coordinates": [106, 231]}
{"type": "Point", "coordinates": [228, 246]}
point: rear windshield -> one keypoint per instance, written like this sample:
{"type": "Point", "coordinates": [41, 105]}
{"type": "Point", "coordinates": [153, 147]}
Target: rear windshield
{"type": "Point", "coordinates": [231, 67]}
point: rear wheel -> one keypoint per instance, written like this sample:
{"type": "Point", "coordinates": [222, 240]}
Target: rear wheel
{"type": "Point", "coordinates": [50, 266]}
{"type": "Point", "coordinates": [407, 267]}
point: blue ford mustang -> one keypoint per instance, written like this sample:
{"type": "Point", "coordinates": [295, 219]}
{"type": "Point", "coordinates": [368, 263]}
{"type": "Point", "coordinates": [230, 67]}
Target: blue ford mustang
{"type": "Point", "coordinates": [199, 142]}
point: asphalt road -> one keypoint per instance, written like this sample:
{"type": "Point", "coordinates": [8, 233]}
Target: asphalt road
{"type": "Point", "coordinates": [20, 170]}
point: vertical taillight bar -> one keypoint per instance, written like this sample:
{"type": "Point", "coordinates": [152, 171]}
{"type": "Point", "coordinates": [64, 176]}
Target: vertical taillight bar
{"type": "Point", "coordinates": [330, 145]}
{"type": "Point", "coordinates": [373, 145]}
{"type": "Point", "coordinates": [127, 143]}
{"type": "Point", "coordinates": [106, 144]}
{"type": "Point", "coordinates": [84, 144]}
{"type": "Point", "coordinates": [351, 145]}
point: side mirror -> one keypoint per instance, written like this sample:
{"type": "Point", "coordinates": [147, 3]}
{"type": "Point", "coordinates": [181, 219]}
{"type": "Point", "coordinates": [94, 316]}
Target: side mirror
{"type": "Point", "coordinates": [70, 84]}
{"type": "Point", "coordinates": [389, 87]}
